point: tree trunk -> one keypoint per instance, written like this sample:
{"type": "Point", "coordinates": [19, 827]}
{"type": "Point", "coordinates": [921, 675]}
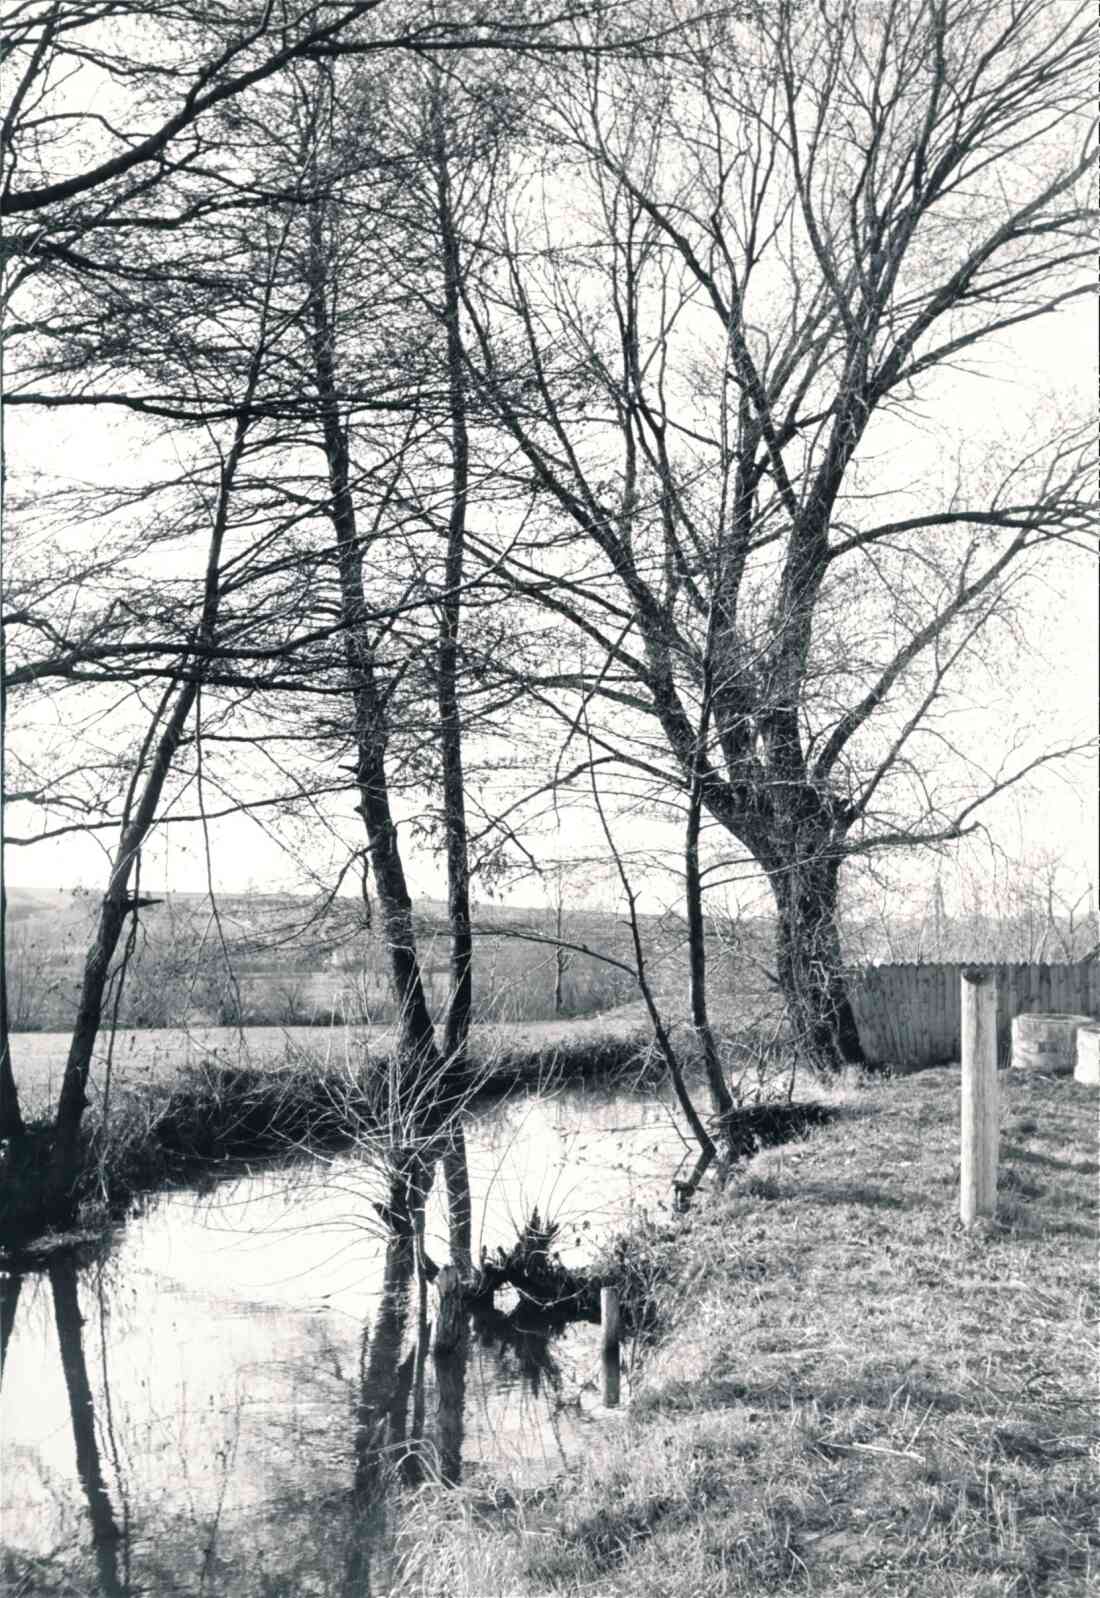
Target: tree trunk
{"type": "Point", "coordinates": [820, 1014]}
{"type": "Point", "coordinates": [721, 1098]}
{"type": "Point", "coordinates": [450, 1383]}
{"type": "Point", "coordinates": [456, 1174]}
{"type": "Point", "coordinates": [416, 1034]}
{"type": "Point", "coordinates": [140, 813]}
{"type": "Point", "coordinates": [117, 904]}
{"type": "Point", "coordinates": [559, 957]}
{"type": "Point", "coordinates": [417, 1105]}
{"type": "Point", "coordinates": [417, 1049]}
{"type": "Point", "coordinates": [11, 1118]}
{"type": "Point", "coordinates": [460, 1001]}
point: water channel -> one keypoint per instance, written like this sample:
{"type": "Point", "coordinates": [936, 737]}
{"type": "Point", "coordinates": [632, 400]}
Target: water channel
{"type": "Point", "coordinates": [220, 1405]}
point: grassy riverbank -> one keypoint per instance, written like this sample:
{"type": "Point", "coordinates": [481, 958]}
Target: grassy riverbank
{"type": "Point", "coordinates": [848, 1392]}
{"type": "Point", "coordinates": [181, 1115]}
{"type": "Point", "coordinates": [155, 1057]}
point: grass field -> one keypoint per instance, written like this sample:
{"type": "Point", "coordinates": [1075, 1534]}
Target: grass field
{"type": "Point", "coordinates": [850, 1394]}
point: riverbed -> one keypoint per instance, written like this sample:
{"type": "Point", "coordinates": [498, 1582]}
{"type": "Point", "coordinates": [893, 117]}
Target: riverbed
{"type": "Point", "coordinates": [223, 1402]}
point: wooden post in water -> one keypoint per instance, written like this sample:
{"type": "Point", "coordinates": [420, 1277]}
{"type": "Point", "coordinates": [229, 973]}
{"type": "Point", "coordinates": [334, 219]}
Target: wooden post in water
{"type": "Point", "coordinates": [609, 1323]}
{"type": "Point", "coordinates": [978, 1152]}
{"type": "Point", "coordinates": [450, 1311]}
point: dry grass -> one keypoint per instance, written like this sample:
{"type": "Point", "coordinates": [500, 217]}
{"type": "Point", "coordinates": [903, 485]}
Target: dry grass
{"type": "Point", "coordinates": [849, 1394]}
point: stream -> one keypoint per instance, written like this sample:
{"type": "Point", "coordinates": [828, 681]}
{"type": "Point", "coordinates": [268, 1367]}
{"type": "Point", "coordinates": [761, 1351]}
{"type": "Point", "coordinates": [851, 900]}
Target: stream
{"type": "Point", "coordinates": [221, 1404]}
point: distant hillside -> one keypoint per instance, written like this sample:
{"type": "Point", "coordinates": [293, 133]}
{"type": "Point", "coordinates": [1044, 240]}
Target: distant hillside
{"type": "Point", "coordinates": [286, 959]}
{"type": "Point", "coordinates": [274, 921]}
{"type": "Point", "coordinates": [27, 903]}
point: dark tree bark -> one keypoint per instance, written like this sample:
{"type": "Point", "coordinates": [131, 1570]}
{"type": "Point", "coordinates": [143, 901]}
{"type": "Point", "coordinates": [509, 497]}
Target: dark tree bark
{"type": "Point", "coordinates": [11, 1118]}
{"type": "Point", "coordinates": [418, 1103]}
{"type": "Point", "coordinates": [416, 1034]}
{"type": "Point", "coordinates": [810, 968]}
{"type": "Point", "coordinates": [117, 904]}
{"type": "Point", "coordinates": [721, 1098]}
{"type": "Point", "coordinates": [450, 714]}
{"type": "Point", "coordinates": [450, 1384]}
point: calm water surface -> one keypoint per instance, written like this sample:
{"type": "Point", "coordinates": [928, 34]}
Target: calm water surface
{"type": "Point", "coordinates": [222, 1405]}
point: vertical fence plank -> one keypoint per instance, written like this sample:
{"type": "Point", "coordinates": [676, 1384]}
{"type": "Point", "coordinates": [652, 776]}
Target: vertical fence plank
{"type": "Point", "coordinates": [609, 1337]}
{"type": "Point", "coordinates": [956, 1010]}
{"type": "Point", "coordinates": [979, 1122]}
{"type": "Point", "coordinates": [912, 1010]}
{"type": "Point", "coordinates": [1008, 999]}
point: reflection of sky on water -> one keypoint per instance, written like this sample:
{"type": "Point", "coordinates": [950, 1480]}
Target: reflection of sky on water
{"type": "Point", "coordinates": [222, 1338]}
{"type": "Point", "coordinates": [582, 1159]}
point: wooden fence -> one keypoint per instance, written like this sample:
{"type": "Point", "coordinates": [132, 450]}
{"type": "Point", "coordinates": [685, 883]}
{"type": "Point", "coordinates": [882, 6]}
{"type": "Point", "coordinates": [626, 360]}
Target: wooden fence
{"type": "Point", "coordinates": [912, 1014]}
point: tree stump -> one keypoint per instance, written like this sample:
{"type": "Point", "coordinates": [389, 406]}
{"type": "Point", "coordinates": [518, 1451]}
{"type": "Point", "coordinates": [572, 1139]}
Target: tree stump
{"type": "Point", "coordinates": [450, 1311]}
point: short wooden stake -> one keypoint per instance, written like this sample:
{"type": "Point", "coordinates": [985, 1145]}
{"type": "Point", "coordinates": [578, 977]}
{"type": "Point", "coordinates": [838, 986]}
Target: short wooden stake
{"type": "Point", "coordinates": [450, 1311]}
{"type": "Point", "coordinates": [980, 1130]}
{"type": "Point", "coordinates": [609, 1323]}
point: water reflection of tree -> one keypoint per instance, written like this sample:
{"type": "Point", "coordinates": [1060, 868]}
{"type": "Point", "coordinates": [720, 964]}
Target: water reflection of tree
{"type": "Point", "coordinates": [11, 1284]}
{"type": "Point", "coordinates": [408, 1413]}
{"type": "Point", "coordinates": [106, 1536]}
{"type": "Point", "coordinates": [381, 1433]}
{"type": "Point", "coordinates": [120, 1476]}
{"type": "Point", "coordinates": [402, 1438]}
{"type": "Point", "coordinates": [521, 1344]}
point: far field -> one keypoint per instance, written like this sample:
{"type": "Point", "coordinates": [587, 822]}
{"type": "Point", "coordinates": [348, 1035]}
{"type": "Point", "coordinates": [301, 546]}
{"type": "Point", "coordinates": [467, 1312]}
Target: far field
{"type": "Point", "coordinates": [156, 1056]}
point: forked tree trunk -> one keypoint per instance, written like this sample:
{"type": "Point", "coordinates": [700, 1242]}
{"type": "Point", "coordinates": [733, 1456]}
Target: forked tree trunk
{"type": "Point", "coordinates": [808, 951]}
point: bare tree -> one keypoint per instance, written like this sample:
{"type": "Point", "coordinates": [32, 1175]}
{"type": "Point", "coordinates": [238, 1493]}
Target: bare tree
{"type": "Point", "coordinates": [158, 80]}
{"type": "Point", "coordinates": [160, 747]}
{"type": "Point", "coordinates": [804, 223]}
{"type": "Point", "coordinates": [127, 642]}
